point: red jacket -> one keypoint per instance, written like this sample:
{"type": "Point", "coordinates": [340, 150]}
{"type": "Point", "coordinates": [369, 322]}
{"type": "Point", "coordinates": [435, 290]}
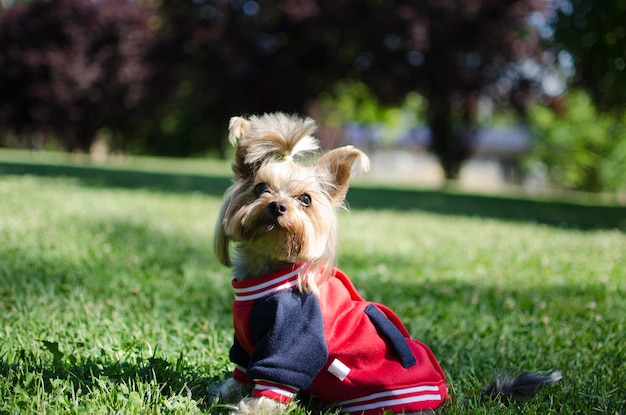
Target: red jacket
{"type": "Point", "coordinates": [334, 346]}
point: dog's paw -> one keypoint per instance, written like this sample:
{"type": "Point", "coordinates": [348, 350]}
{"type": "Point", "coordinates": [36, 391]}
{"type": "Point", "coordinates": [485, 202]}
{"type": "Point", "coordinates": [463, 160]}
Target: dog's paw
{"type": "Point", "coordinates": [259, 406]}
{"type": "Point", "coordinates": [229, 391]}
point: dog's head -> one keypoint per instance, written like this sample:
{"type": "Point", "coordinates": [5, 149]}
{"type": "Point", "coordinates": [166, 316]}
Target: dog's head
{"type": "Point", "coordinates": [281, 208]}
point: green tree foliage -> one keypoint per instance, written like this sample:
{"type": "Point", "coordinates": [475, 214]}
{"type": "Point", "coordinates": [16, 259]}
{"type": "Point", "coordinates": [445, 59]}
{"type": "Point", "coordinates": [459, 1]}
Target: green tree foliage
{"type": "Point", "coordinates": [582, 148]}
{"type": "Point", "coordinates": [594, 35]}
{"type": "Point", "coordinates": [352, 101]}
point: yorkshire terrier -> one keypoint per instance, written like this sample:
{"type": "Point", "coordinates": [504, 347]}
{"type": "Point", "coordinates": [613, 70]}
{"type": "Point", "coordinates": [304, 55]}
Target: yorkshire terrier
{"type": "Point", "coordinates": [300, 324]}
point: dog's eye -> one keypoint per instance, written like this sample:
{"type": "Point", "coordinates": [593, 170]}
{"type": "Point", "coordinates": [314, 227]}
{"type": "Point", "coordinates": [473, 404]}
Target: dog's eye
{"type": "Point", "coordinates": [260, 188]}
{"type": "Point", "coordinates": [305, 200]}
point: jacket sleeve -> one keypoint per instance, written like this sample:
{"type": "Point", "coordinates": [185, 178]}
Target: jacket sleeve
{"type": "Point", "coordinates": [241, 359]}
{"type": "Point", "coordinates": [291, 349]}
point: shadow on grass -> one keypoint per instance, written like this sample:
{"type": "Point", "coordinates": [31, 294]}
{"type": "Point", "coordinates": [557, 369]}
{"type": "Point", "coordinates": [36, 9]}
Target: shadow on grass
{"type": "Point", "coordinates": [554, 213]}
{"type": "Point", "coordinates": [129, 179]}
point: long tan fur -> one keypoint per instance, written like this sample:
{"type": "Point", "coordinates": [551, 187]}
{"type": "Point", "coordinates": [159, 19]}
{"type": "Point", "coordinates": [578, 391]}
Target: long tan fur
{"type": "Point", "coordinates": [274, 147]}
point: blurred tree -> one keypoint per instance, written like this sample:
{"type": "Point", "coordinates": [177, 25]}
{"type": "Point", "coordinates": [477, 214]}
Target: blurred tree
{"type": "Point", "coordinates": [591, 36]}
{"type": "Point", "coordinates": [583, 141]}
{"type": "Point", "coordinates": [248, 56]}
{"type": "Point", "coordinates": [450, 52]}
{"type": "Point", "coordinates": [71, 67]}
{"type": "Point", "coordinates": [234, 57]}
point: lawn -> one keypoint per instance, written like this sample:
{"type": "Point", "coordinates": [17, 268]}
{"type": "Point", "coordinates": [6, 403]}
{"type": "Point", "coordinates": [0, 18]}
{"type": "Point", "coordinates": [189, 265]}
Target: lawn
{"type": "Point", "coordinates": [111, 300]}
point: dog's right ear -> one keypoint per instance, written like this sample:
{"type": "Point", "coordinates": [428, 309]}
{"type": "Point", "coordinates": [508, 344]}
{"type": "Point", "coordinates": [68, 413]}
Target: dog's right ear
{"type": "Point", "coordinates": [238, 127]}
{"type": "Point", "coordinates": [338, 163]}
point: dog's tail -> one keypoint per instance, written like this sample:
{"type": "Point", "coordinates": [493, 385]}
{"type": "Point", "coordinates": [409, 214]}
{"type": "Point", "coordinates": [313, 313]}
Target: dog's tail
{"type": "Point", "coordinates": [524, 386]}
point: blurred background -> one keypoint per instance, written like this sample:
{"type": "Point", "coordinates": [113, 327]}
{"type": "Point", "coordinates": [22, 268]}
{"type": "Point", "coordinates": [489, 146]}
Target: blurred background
{"type": "Point", "coordinates": [490, 93]}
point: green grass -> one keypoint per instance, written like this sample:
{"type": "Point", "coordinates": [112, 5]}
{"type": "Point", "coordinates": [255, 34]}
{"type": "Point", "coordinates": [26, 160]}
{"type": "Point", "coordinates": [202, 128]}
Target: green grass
{"type": "Point", "coordinates": [111, 300]}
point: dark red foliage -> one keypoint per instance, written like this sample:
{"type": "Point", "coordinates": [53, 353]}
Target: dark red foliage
{"type": "Point", "coordinates": [71, 67]}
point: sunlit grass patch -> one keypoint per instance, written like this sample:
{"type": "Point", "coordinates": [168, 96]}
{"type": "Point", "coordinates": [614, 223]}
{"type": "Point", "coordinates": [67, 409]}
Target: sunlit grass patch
{"type": "Point", "coordinates": [111, 299]}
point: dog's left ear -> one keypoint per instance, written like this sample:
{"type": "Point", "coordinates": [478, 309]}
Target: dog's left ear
{"type": "Point", "coordinates": [338, 163]}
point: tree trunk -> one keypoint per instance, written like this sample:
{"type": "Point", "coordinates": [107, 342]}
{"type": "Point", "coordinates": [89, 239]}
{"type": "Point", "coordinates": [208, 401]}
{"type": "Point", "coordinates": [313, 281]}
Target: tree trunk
{"type": "Point", "coordinates": [452, 145]}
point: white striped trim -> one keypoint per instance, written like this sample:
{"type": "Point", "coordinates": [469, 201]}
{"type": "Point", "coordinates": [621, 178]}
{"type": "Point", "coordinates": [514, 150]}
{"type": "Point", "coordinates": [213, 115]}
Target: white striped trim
{"type": "Point", "coordinates": [282, 282]}
{"type": "Point", "coordinates": [395, 392]}
{"type": "Point", "coordinates": [269, 283]}
{"type": "Point", "coordinates": [392, 402]}
{"type": "Point", "coordinates": [415, 394]}
{"type": "Point", "coordinates": [277, 389]}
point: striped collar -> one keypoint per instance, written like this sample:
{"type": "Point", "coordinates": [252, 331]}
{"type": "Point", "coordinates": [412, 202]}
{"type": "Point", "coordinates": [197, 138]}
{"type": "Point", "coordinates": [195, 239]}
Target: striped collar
{"type": "Point", "coordinates": [254, 288]}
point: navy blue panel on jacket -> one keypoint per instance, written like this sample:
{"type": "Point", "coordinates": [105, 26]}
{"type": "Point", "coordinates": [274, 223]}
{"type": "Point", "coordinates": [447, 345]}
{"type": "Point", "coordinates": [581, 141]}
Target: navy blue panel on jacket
{"type": "Point", "coordinates": [288, 331]}
{"type": "Point", "coordinates": [238, 355]}
{"type": "Point", "coordinates": [389, 331]}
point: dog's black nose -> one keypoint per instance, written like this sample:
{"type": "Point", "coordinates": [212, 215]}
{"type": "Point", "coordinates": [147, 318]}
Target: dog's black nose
{"type": "Point", "coordinates": [277, 208]}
